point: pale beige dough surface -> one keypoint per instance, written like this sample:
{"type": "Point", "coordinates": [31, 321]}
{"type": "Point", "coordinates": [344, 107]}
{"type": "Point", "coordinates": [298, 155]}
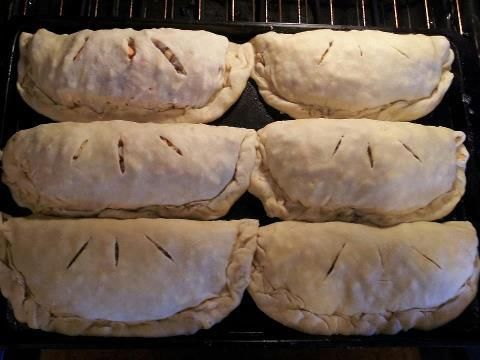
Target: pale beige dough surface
{"type": "Point", "coordinates": [127, 169]}
{"type": "Point", "coordinates": [359, 170]}
{"type": "Point", "coordinates": [135, 277]}
{"type": "Point", "coordinates": [352, 74]}
{"type": "Point", "coordinates": [152, 75]}
{"type": "Point", "coordinates": [341, 278]}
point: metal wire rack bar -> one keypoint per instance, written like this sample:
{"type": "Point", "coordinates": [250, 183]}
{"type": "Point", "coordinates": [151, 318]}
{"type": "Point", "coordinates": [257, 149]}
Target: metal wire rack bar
{"type": "Point", "coordinates": [395, 13]}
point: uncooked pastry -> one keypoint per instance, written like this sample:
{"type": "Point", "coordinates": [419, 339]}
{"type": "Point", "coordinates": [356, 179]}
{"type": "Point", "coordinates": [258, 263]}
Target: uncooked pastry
{"type": "Point", "coordinates": [359, 170]}
{"type": "Point", "coordinates": [352, 74]}
{"type": "Point", "coordinates": [126, 169]}
{"type": "Point", "coordinates": [135, 277]}
{"type": "Point", "coordinates": [152, 75]}
{"type": "Point", "coordinates": [340, 278]}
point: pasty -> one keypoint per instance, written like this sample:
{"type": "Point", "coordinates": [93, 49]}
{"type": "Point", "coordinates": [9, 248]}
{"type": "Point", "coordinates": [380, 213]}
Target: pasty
{"type": "Point", "coordinates": [359, 170]}
{"type": "Point", "coordinates": [135, 277]}
{"type": "Point", "coordinates": [126, 169]}
{"type": "Point", "coordinates": [341, 278]}
{"type": "Point", "coordinates": [152, 75]}
{"type": "Point", "coordinates": [352, 74]}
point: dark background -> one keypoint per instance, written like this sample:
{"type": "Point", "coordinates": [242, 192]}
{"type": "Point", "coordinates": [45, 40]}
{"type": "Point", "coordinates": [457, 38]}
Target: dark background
{"type": "Point", "coordinates": [456, 17]}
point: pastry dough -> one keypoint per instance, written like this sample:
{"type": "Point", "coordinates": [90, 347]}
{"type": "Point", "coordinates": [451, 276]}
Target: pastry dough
{"type": "Point", "coordinates": [152, 75]}
{"type": "Point", "coordinates": [359, 170]}
{"type": "Point", "coordinates": [352, 74]}
{"type": "Point", "coordinates": [140, 277]}
{"type": "Point", "coordinates": [126, 169]}
{"type": "Point", "coordinates": [340, 278]}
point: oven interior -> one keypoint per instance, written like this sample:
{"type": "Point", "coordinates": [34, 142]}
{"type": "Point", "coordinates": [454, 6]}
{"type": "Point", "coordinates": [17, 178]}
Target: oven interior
{"type": "Point", "coordinates": [241, 19]}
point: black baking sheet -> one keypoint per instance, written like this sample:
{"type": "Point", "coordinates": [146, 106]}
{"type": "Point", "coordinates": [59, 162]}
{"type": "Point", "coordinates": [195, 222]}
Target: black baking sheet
{"type": "Point", "coordinates": [248, 326]}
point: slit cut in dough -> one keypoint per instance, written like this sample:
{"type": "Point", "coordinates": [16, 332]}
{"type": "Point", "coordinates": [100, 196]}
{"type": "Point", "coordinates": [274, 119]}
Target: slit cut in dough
{"type": "Point", "coordinates": [325, 73]}
{"type": "Point", "coordinates": [359, 170]}
{"type": "Point", "coordinates": [152, 75]}
{"type": "Point", "coordinates": [352, 279]}
{"type": "Point", "coordinates": [126, 169]}
{"type": "Point", "coordinates": [106, 277]}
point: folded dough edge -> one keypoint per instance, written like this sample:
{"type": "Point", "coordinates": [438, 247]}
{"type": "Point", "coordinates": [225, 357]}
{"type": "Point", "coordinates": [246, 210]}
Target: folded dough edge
{"type": "Point", "coordinates": [364, 323]}
{"type": "Point", "coordinates": [188, 321]}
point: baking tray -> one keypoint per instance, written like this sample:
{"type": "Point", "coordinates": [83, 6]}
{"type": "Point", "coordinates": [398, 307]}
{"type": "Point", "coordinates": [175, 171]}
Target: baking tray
{"type": "Point", "coordinates": [247, 326]}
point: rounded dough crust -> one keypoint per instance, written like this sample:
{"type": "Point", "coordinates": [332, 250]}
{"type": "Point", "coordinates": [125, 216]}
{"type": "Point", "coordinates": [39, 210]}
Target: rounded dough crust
{"type": "Point", "coordinates": [277, 202]}
{"type": "Point", "coordinates": [238, 65]}
{"type": "Point", "coordinates": [287, 306]}
{"type": "Point", "coordinates": [398, 110]}
{"type": "Point", "coordinates": [188, 321]}
{"type": "Point", "coordinates": [17, 175]}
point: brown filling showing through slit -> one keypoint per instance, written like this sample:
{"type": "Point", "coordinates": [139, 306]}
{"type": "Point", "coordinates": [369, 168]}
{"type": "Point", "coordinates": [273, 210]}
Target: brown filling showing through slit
{"type": "Point", "coordinates": [411, 151]}
{"type": "Point", "coordinates": [170, 145]}
{"type": "Point", "coordinates": [332, 266]}
{"type": "Point", "coordinates": [131, 52]}
{"type": "Point", "coordinates": [428, 259]}
{"type": "Point", "coordinates": [80, 50]}
{"type": "Point", "coordinates": [168, 53]}
{"type": "Point", "coordinates": [370, 155]}
{"type": "Point", "coordinates": [77, 254]}
{"type": "Point", "coordinates": [121, 159]}
{"type": "Point", "coordinates": [160, 248]}
{"type": "Point", "coordinates": [79, 150]}
{"type": "Point", "coordinates": [337, 146]}
{"type": "Point", "coordinates": [117, 252]}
